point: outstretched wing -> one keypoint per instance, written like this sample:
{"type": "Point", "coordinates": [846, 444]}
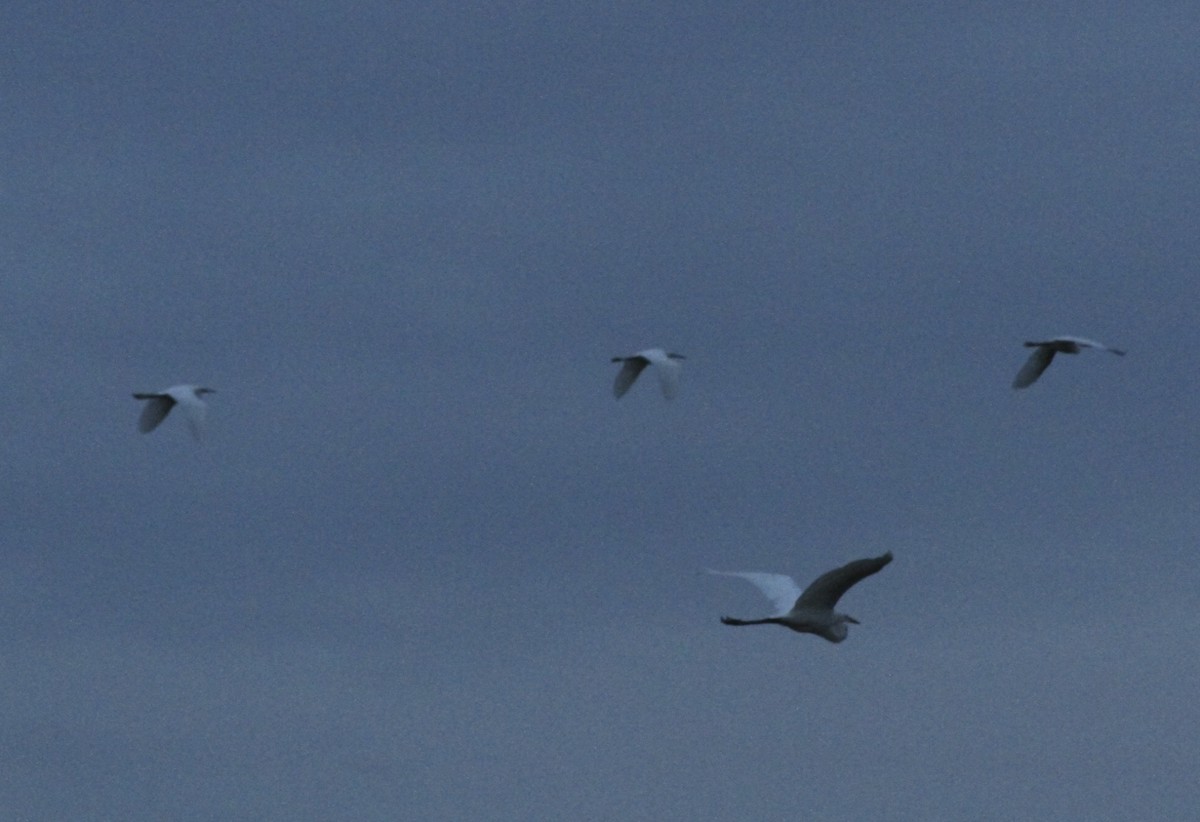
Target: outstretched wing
{"type": "Point", "coordinates": [628, 373]}
{"type": "Point", "coordinates": [668, 377]}
{"type": "Point", "coordinates": [1038, 361]}
{"type": "Point", "coordinates": [780, 589]}
{"type": "Point", "coordinates": [1086, 343]}
{"type": "Point", "coordinates": [195, 410]}
{"type": "Point", "coordinates": [155, 411]}
{"type": "Point", "coordinates": [828, 588]}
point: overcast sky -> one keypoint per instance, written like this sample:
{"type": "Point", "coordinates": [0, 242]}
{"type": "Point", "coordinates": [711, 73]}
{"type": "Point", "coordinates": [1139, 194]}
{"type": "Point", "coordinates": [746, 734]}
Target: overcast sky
{"type": "Point", "coordinates": [425, 566]}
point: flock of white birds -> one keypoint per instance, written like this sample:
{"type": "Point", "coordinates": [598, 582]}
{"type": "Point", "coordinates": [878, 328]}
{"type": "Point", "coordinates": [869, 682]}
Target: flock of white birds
{"type": "Point", "coordinates": [809, 610]}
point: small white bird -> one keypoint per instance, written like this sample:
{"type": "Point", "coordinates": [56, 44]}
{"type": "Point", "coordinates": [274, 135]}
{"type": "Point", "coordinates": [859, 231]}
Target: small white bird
{"type": "Point", "coordinates": [810, 611]}
{"type": "Point", "coordinates": [1043, 354]}
{"type": "Point", "coordinates": [665, 364]}
{"type": "Point", "coordinates": [160, 403]}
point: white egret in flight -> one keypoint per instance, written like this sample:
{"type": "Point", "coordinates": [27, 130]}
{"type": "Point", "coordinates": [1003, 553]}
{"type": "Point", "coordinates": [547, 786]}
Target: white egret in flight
{"type": "Point", "coordinates": [160, 403]}
{"type": "Point", "coordinates": [1044, 351]}
{"type": "Point", "coordinates": [810, 611]}
{"type": "Point", "coordinates": [665, 364]}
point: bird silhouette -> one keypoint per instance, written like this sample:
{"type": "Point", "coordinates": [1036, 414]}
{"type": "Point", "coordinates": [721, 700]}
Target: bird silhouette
{"type": "Point", "coordinates": [810, 611]}
{"type": "Point", "coordinates": [160, 403]}
{"type": "Point", "coordinates": [1043, 355]}
{"type": "Point", "coordinates": [666, 364]}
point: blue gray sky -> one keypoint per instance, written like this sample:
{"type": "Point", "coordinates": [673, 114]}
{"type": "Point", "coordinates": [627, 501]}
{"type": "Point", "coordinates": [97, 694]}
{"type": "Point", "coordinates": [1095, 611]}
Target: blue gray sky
{"type": "Point", "coordinates": [424, 566]}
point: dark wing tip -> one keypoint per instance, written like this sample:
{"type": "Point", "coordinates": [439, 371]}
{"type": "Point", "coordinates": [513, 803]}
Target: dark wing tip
{"type": "Point", "coordinates": [874, 566]}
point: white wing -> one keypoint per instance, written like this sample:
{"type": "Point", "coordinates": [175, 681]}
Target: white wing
{"type": "Point", "coordinates": [155, 411]}
{"type": "Point", "coordinates": [195, 417]}
{"type": "Point", "coordinates": [1038, 362]}
{"type": "Point", "coordinates": [628, 373]}
{"type": "Point", "coordinates": [193, 407]}
{"type": "Point", "coordinates": [824, 591]}
{"type": "Point", "coordinates": [668, 378]}
{"type": "Point", "coordinates": [1086, 343]}
{"type": "Point", "coordinates": [667, 368]}
{"type": "Point", "coordinates": [782, 590]}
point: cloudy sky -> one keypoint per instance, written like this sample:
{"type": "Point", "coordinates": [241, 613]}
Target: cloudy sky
{"type": "Point", "coordinates": [424, 566]}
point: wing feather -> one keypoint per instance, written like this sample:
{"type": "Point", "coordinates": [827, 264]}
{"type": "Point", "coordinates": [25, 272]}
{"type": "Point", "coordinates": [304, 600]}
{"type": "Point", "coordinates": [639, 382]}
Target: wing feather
{"type": "Point", "coordinates": [782, 590]}
{"type": "Point", "coordinates": [155, 411]}
{"type": "Point", "coordinates": [1038, 361]}
{"type": "Point", "coordinates": [827, 589]}
{"type": "Point", "coordinates": [628, 373]}
{"type": "Point", "coordinates": [668, 377]}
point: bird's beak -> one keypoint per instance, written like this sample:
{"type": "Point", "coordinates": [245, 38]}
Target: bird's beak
{"type": "Point", "coordinates": [852, 619]}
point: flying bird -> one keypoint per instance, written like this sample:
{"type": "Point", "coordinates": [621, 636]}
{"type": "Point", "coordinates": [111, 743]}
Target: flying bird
{"type": "Point", "coordinates": [1043, 354]}
{"type": "Point", "coordinates": [160, 403]}
{"type": "Point", "coordinates": [665, 364]}
{"type": "Point", "coordinates": [810, 611]}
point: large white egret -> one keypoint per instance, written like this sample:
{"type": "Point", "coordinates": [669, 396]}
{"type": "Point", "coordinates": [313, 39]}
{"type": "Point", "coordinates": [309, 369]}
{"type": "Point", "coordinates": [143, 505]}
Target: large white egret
{"type": "Point", "coordinates": [160, 403]}
{"type": "Point", "coordinates": [1044, 351]}
{"type": "Point", "coordinates": [809, 611]}
{"type": "Point", "coordinates": [665, 364]}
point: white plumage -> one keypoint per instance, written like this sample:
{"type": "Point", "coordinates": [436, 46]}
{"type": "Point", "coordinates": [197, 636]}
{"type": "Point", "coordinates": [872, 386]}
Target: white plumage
{"type": "Point", "coordinates": [1044, 351]}
{"type": "Point", "coordinates": [160, 403]}
{"type": "Point", "coordinates": [665, 364]}
{"type": "Point", "coordinates": [809, 611]}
